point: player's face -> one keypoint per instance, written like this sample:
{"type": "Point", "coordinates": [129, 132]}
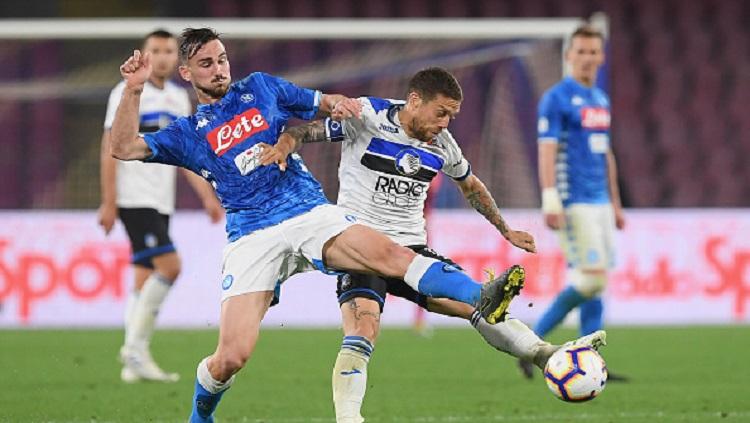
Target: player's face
{"type": "Point", "coordinates": [208, 70]}
{"type": "Point", "coordinates": [585, 55]}
{"type": "Point", "coordinates": [431, 117]}
{"type": "Point", "coordinates": [163, 55]}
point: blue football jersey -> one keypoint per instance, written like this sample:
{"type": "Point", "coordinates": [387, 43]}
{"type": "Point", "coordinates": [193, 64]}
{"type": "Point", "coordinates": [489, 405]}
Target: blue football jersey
{"type": "Point", "coordinates": [577, 118]}
{"type": "Point", "coordinates": [219, 142]}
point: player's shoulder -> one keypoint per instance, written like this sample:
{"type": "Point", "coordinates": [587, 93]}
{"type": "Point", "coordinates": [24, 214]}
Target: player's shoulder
{"type": "Point", "coordinates": [384, 108]}
{"type": "Point", "coordinates": [560, 89]}
{"type": "Point", "coordinates": [601, 96]}
{"type": "Point", "coordinates": [377, 104]}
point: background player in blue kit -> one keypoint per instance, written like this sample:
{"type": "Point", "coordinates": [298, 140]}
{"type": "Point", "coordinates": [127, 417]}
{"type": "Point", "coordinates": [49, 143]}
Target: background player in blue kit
{"type": "Point", "coordinates": [578, 178]}
{"type": "Point", "coordinates": [278, 220]}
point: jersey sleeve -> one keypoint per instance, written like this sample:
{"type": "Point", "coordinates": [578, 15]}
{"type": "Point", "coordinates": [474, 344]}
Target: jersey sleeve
{"type": "Point", "coordinates": [549, 121]}
{"type": "Point", "coordinates": [456, 166]}
{"type": "Point", "coordinates": [170, 145]}
{"type": "Point", "coordinates": [114, 100]}
{"type": "Point", "coordinates": [300, 102]}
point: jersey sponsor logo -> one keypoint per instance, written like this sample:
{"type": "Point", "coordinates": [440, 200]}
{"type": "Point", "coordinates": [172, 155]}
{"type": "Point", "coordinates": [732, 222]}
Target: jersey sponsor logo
{"type": "Point", "coordinates": [595, 118]}
{"type": "Point", "coordinates": [224, 137]}
{"type": "Point", "coordinates": [387, 128]}
{"type": "Point", "coordinates": [248, 160]}
{"type": "Point", "coordinates": [397, 192]}
{"type": "Point", "coordinates": [408, 162]}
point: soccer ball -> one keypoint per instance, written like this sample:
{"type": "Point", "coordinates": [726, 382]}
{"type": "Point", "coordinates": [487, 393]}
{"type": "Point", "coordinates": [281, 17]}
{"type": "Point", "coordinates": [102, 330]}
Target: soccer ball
{"type": "Point", "coordinates": [576, 373]}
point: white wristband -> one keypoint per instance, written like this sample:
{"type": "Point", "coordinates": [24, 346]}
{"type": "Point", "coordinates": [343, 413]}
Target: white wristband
{"type": "Point", "coordinates": [551, 203]}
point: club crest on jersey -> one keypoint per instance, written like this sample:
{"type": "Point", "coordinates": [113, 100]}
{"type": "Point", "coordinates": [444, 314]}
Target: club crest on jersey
{"type": "Point", "coordinates": [247, 98]}
{"type": "Point", "coordinates": [408, 162]}
{"type": "Point", "coordinates": [224, 137]}
{"type": "Point", "coordinates": [595, 118]}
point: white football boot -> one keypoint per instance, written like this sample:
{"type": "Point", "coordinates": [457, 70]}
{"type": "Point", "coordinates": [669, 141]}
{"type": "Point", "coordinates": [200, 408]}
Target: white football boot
{"type": "Point", "coordinates": [140, 366]}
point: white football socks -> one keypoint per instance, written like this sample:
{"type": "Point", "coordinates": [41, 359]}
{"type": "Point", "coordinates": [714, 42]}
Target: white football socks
{"type": "Point", "coordinates": [141, 324]}
{"type": "Point", "coordinates": [511, 336]}
{"type": "Point", "coordinates": [350, 379]}
{"type": "Point", "coordinates": [130, 303]}
{"type": "Point", "coordinates": [208, 382]}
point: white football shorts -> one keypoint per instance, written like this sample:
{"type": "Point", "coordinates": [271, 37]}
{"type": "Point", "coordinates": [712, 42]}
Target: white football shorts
{"type": "Point", "coordinates": [264, 259]}
{"type": "Point", "coordinates": [588, 236]}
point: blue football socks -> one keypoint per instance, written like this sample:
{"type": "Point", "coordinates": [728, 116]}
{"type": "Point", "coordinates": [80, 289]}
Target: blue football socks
{"type": "Point", "coordinates": [565, 301]}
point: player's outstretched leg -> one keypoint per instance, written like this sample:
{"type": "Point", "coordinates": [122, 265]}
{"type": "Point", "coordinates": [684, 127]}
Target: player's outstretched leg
{"type": "Point", "coordinates": [511, 336]}
{"type": "Point", "coordinates": [239, 328]}
{"type": "Point", "coordinates": [362, 249]}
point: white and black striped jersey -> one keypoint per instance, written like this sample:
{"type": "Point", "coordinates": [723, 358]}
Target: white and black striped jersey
{"type": "Point", "coordinates": [149, 185]}
{"type": "Point", "coordinates": [384, 174]}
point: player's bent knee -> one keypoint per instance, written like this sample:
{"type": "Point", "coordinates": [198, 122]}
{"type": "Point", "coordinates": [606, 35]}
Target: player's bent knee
{"type": "Point", "coordinates": [230, 362]}
{"type": "Point", "coordinates": [169, 266]}
{"type": "Point", "coordinates": [394, 260]}
{"type": "Point", "coordinates": [361, 318]}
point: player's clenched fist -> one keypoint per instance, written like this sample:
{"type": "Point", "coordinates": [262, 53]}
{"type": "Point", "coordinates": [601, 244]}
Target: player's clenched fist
{"type": "Point", "coordinates": [346, 108]}
{"type": "Point", "coordinates": [136, 70]}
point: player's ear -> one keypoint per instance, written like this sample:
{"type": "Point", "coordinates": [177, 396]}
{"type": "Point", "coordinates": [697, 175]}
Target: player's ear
{"type": "Point", "coordinates": [184, 72]}
{"type": "Point", "coordinates": [414, 100]}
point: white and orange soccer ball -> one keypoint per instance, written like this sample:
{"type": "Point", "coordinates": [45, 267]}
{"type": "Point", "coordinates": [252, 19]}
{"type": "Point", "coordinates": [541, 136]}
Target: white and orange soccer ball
{"type": "Point", "coordinates": [576, 373]}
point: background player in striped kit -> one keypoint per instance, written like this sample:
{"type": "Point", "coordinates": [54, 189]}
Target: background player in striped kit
{"type": "Point", "coordinates": [143, 196]}
{"type": "Point", "coordinates": [578, 178]}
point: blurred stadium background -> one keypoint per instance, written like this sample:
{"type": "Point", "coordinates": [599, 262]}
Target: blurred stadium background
{"type": "Point", "coordinates": [678, 74]}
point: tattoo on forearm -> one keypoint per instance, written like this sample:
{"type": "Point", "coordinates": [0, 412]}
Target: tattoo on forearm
{"type": "Point", "coordinates": [360, 314]}
{"type": "Point", "coordinates": [309, 132]}
{"type": "Point", "coordinates": [483, 202]}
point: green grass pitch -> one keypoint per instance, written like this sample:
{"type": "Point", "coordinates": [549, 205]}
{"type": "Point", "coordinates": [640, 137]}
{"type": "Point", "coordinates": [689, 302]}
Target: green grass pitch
{"type": "Point", "coordinates": [696, 374]}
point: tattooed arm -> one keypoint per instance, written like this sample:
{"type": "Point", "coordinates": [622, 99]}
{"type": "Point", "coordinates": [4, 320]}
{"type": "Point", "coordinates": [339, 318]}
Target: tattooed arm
{"type": "Point", "coordinates": [290, 141]}
{"type": "Point", "coordinates": [481, 200]}
{"type": "Point", "coordinates": [303, 134]}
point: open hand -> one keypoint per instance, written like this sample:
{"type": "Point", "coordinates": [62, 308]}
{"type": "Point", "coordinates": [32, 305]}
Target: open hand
{"type": "Point", "coordinates": [522, 240]}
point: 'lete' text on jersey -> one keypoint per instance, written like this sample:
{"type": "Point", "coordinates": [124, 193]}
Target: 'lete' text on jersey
{"type": "Point", "coordinates": [219, 142]}
{"type": "Point", "coordinates": [577, 118]}
{"type": "Point", "coordinates": [384, 174]}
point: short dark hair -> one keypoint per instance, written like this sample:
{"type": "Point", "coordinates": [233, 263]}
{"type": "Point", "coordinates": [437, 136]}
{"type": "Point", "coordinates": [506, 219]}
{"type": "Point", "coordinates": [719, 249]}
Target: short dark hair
{"type": "Point", "coordinates": [192, 39]}
{"type": "Point", "coordinates": [587, 31]}
{"type": "Point", "coordinates": [430, 82]}
{"type": "Point", "coordinates": [157, 33]}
